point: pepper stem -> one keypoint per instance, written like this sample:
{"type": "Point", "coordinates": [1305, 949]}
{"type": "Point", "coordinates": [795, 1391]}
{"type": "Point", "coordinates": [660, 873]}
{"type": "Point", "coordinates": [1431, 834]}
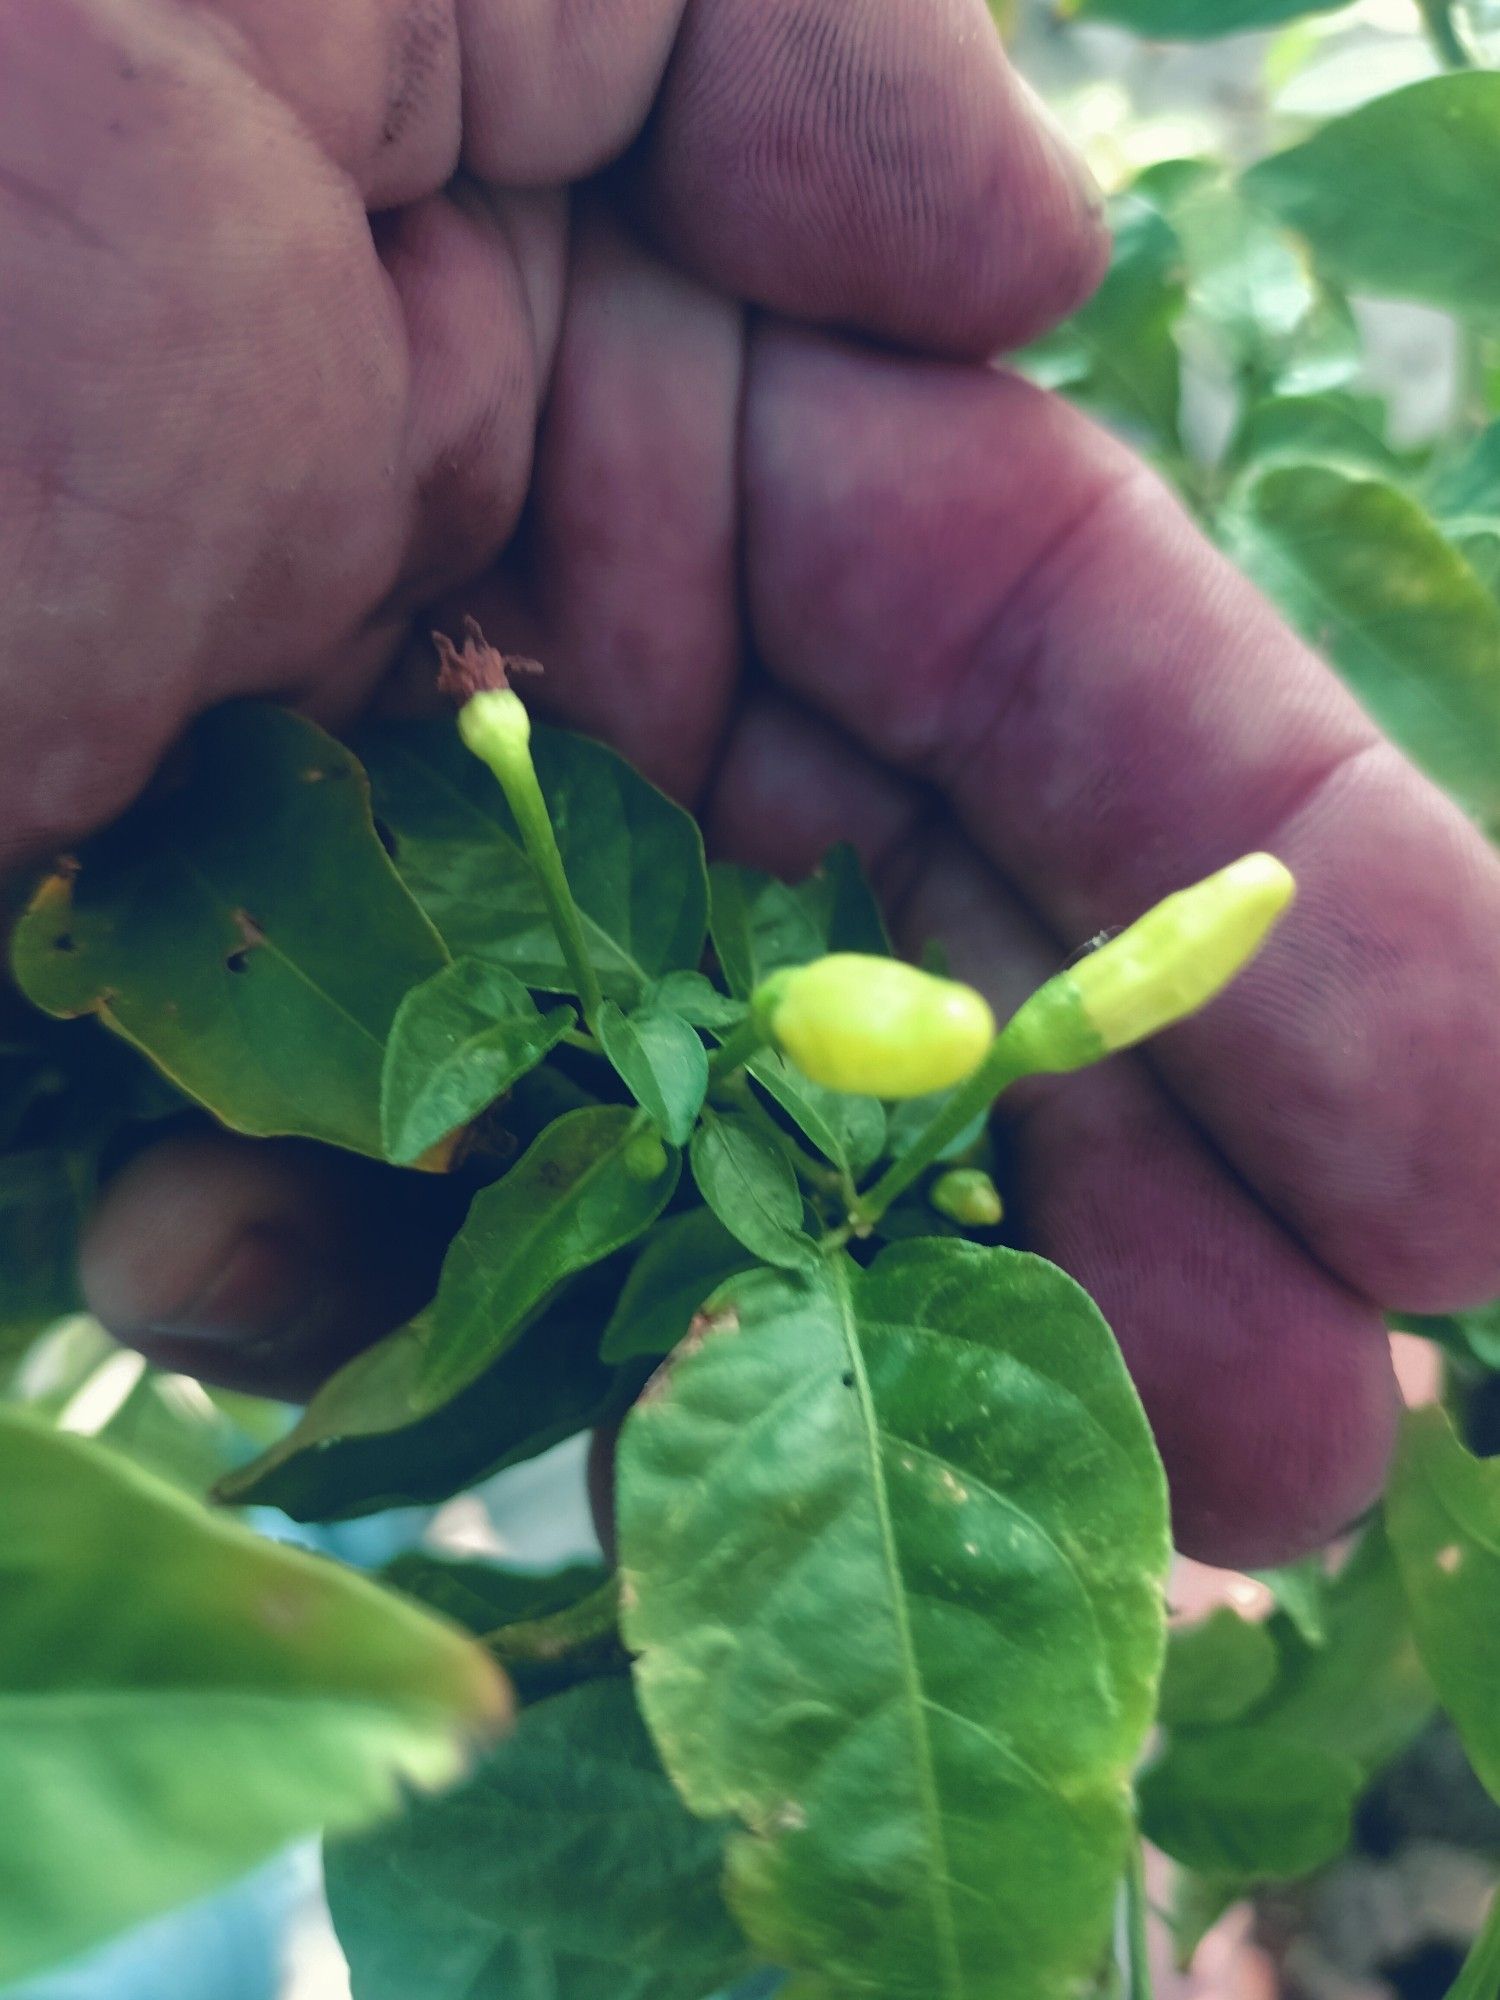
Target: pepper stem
{"type": "Point", "coordinates": [1005, 1064]}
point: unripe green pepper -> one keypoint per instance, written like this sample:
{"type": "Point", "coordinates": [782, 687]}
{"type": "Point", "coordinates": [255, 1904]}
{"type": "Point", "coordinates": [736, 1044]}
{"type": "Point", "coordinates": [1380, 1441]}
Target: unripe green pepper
{"type": "Point", "coordinates": [874, 1026]}
{"type": "Point", "coordinates": [1163, 968]}
{"type": "Point", "coordinates": [496, 726]}
{"type": "Point", "coordinates": [645, 1157]}
{"type": "Point", "coordinates": [969, 1196]}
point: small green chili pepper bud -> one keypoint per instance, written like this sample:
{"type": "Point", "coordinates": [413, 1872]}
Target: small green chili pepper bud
{"type": "Point", "coordinates": [874, 1026]}
{"type": "Point", "coordinates": [645, 1157]}
{"type": "Point", "coordinates": [1170, 963]}
{"type": "Point", "coordinates": [496, 727]}
{"type": "Point", "coordinates": [969, 1196]}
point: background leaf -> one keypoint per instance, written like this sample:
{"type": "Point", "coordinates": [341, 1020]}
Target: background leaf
{"type": "Point", "coordinates": [244, 928]}
{"type": "Point", "coordinates": [1199, 20]}
{"type": "Point", "coordinates": [747, 1178]}
{"type": "Point", "coordinates": [634, 859]}
{"type": "Point", "coordinates": [160, 1738]}
{"type": "Point", "coordinates": [1249, 1805]}
{"type": "Point", "coordinates": [1443, 1513]}
{"type": "Point", "coordinates": [685, 1260]}
{"type": "Point", "coordinates": [663, 1063]}
{"type": "Point", "coordinates": [457, 1043]}
{"type": "Point", "coordinates": [760, 924]}
{"type": "Point", "coordinates": [567, 1865]}
{"type": "Point", "coordinates": [1216, 1670]}
{"type": "Point", "coordinates": [892, 1546]}
{"type": "Point", "coordinates": [1361, 570]}
{"type": "Point", "coordinates": [850, 1131]}
{"type": "Point", "coordinates": [1398, 197]}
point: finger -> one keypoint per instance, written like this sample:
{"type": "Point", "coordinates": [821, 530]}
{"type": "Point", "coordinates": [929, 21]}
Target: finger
{"type": "Point", "coordinates": [988, 592]}
{"type": "Point", "coordinates": [624, 580]}
{"type": "Point", "coordinates": [1268, 1384]}
{"type": "Point", "coordinates": [261, 1265]}
{"type": "Point", "coordinates": [877, 166]}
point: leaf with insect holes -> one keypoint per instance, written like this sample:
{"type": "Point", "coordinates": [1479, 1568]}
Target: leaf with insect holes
{"type": "Point", "coordinates": [459, 1041]}
{"type": "Point", "coordinates": [566, 1866]}
{"type": "Point", "coordinates": [233, 1696]}
{"type": "Point", "coordinates": [892, 1549]}
{"type": "Point", "coordinates": [634, 860]}
{"type": "Point", "coordinates": [685, 1259]}
{"type": "Point", "coordinates": [662, 1062]}
{"type": "Point", "coordinates": [243, 926]}
{"type": "Point", "coordinates": [746, 1176]}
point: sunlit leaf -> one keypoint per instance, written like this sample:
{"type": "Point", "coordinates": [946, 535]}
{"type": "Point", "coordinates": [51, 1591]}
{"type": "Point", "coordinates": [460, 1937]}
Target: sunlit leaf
{"type": "Point", "coordinates": [892, 1544]}
{"type": "Point", "coordinates": [161, 1733]}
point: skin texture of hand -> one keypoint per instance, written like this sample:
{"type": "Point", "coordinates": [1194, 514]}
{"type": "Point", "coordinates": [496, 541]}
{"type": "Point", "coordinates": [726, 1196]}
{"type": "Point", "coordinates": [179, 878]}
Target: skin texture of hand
{"type": "Point", "coordinates": [652, 331]}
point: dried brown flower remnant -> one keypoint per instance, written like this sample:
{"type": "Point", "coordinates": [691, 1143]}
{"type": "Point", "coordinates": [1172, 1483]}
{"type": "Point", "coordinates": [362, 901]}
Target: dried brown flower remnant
{"type": "Point", "coordinates": [477, 667]}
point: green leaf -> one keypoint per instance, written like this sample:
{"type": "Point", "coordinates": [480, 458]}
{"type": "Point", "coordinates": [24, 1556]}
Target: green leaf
{"type": "Point", "coordinates": [663, 1063]}
{"type": "Point", "coordinates": [1480, 1977]}
{"type": "Point", "coordinates": [1363, 572]}
{"type": "Point", "coordinates": [747, 1178]}
{"type": "Point", "coordinates": [1118, 354]}
{"type": "Point", "coordinates": [566, 1866]}
{"type": "Point", "coordinates": [760, 924]}
{"type": "Point", "coordinates": [576, 1196]}
{"type": "Point", "coordinates": [1469, 483]}
{"type": "Point", "coordinates": [849, 1131]}
{"type": "Point", "coordinates": [1301, 1591]}
{"type": "Point", "coordinates": [695, 997]}
{"type": "Point", "coordinates": [42, 1203]}
{"type": "Point", "coordinates": [685, 1260]}
{"type": "Point", "coordinates": [163, 1731]}
{"type": "Point", "coordinates": [1216, 1670]}
{"type": "Point", "coordinates": [1249, 1805]}
{"type": "Point", "coordinates": [1398, 196]}
{"type": "Point", "coordinates": [1443, 1516]}
{"type": "Point", "coordinates": [368, 1441]}
{"type": "Point", "coordinates": [457, 1043]}
{"type": "Point", "coordinates": [1473, 1335]}
{"type": "Point", "coordinates": [244, 928]}
{"type": "Point", "coordinates": [483, 1595]}
{"type": "Point", "coordinates": [892, 1550]}
{"type": "Point", "coordinates": [1334, 428]}
{"type": "Point", "coordinates": [634, 859]}
{"type": "Point", "coordinates": [1198, 20]}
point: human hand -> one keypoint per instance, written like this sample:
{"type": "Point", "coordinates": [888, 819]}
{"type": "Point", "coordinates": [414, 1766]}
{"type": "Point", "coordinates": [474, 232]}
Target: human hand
{"type": "Point", "coordinates": [246, 435]}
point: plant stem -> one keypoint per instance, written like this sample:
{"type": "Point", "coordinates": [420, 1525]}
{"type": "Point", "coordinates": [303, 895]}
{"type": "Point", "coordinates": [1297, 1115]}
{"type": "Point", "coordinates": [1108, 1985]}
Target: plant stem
{"type": "Point", "coordinates": [519, 779]}
{"type": "Point", "coordinates": [735, 1050]}
{"type": "Point", "coordinates": [586, 1626]}
{"type": "Point", "coordinates": [1137, 1951]}
{"type": "Point", "coordinates": [1003, 1066]}
{"type": "Point", "coordinates": [1437, 17]}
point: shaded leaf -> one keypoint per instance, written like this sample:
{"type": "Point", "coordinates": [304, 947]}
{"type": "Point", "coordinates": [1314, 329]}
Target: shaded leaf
{"type": "Point", "coordinates": [1397, 197]}
{"type": "Point", "coordinates": [747, 1178]}
{"type": "Point", "coordinates": [1443, 1517]}
{"type": "Point", "coordinates": [892, 1547]}
{"type": "Point", "coordinates": [1367, 577]}
{"type": "Point", "coordinates": [43, 1201]}
{"type": "Point", "coordinates": [1216, 1670]}
{"type": "Point", "coordinates": [1341, 429]}
{"type": "Point", "coordinates": [1118, 354]}
{"type": "Point", "coordinates": [634, 859]}
{"type": "Point", "coordinates": [663, 1063]}
{"type": "Point", "coordinates": [236, 1695]}
{"type": "Point", "coordinates": [848, 1130]}
{"type": "Point", "coordinates": [567, 1865]}
{"type": "Point", "coordinates": [457, 1043]}
{"type": "Point", "coordinates": [685, 1260]}
{"type": "Point", "coordinates": [1249, 1805]}
{"type": "Point", "coordinates": [369, 1440]}
{"type": "Point", "coordinates": [548, 1629]}
{"type": "Point", "coordinates": [244, 928]}
{"type": "Point", "coordinates": [760, 924]}
{"type": "Point", "coordinates": [1199, 20]}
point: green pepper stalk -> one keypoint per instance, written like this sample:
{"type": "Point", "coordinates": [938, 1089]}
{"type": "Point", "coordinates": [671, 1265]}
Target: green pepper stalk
{"type": "Point", "coordinates": [1163, 968]}
{"type": "Point", "coordinates": [495, 725]}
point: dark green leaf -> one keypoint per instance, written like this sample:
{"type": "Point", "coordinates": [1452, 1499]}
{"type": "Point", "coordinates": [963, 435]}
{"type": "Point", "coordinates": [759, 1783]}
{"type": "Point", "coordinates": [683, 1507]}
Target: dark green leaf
{"type": "Point", "coordinates": [1216, 1670]}
{"type": "Point", "coordinates": [483, 1595]}
{"type": "Point", "coordinates": [164, 1731]}
{"type": "Point", "coordinates": [1398, 197]}
{"type": "Point", "coordinates": [634, 860]}
{"type": "Point", "coordinates": [1366, 575]}
{"type": "Point", "coordinates": [892, 1548]}
{"type": "Point", "coordinates": [849, 1131]}
{"type": "Point", "coordinates": [686, 1258]}
{"type": "Point", "coordinates": [1443, 1516]}
{"type": "Point", "coordinates": [245, 929]}
{"type": "Point", "coordinates": [567, 1866]}
{"type": "Point", "coordinates": [1249, 1805]}
{"type": "Point", "coordinates": [42, 1202]}
{"type": "Point", "coordinates": [367, 1441]}
{"type": "Point", "coordinates": [760, 924]}
{"type": "Point", "coordinates": [1118, 354]}
{"type": "Point", "coordinates": [663, 1063]}
{"type": "Point", "coordinates": [1199, 20]}
{"type": "Point", "coordinates": [747, 1178]}
{"type": "Point", "coordinates": [458, 1041]}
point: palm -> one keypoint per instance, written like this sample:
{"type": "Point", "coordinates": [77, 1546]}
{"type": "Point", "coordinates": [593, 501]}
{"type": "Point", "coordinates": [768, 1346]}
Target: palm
{"type": "Point", "coordinates": [821, 592]}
